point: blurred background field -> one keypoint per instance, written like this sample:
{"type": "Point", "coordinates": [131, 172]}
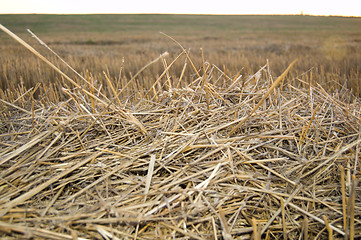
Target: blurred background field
{"type": "Point", "coordinates": [328, 48]}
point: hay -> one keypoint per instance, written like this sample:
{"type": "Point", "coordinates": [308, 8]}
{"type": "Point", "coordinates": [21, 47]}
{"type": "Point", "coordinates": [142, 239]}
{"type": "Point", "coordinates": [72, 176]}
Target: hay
{"type": "Point", "coordinates": [221, 159]}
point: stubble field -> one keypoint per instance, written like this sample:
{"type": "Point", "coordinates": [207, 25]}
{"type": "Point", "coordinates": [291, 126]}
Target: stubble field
{"type": "Point", "coordinates": [329, 47]}
{"type": "Point", "coordinates": [180, 127]}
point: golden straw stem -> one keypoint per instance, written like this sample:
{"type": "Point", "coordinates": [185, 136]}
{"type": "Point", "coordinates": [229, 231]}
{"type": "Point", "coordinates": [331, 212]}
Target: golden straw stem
{"type": "Point", "coordinates": [274, 85]}
{"type": "Point", "coordinates": [343, 192]}
{"type": "Point", "coordinates": [329, 229]}
{"type": "Point", "coordinates": [91, 89]}
{"type": "Point", "coordinates": [112, 88]}
{"type": "Point", "coordinates": [181, 76]}
{"type": "Point", "coordinates": [308, 126]}
{"type": "Point", "coordinates": [283, 219]}
{"type": "Point", "coordinates": [352, 207]}
{"type": "Point", "coordinates": [160, 77]}
{"type": "Point", "coordinates": [305, 229]}
{"type": "Point", "coordinates": [204, 82]}
{"type": "Point", "coordinates": [255, 229]}
{"type": "Point", "coordinates": [185, 52]}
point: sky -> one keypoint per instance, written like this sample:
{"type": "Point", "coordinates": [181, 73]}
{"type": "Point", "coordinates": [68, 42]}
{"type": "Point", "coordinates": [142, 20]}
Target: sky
{"type": "Point", "coordinates": [312, 7]}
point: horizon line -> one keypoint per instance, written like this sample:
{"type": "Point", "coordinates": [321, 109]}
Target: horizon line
{"type": "Point", "coordinates": [199, 14]}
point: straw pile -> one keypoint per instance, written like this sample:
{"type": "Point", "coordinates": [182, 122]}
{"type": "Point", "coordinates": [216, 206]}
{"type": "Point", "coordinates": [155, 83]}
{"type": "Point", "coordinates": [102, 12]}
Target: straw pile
{"type": "Point", "coordinates": [241, 158]}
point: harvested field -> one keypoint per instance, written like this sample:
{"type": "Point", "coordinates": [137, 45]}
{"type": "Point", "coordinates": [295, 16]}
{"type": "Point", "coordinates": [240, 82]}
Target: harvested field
{"type": "Point", "coordinates": [221, 157]}
{"type": "Point", "coordinates": [329, 47]}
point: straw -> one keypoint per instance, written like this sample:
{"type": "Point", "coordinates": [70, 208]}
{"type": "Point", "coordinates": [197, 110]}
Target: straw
{"type": "Point", "coordinates": [210, 155]}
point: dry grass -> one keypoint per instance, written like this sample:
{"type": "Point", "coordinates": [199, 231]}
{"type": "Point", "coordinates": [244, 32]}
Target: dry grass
{"type": "Point", "coordinates": [220, 157]}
